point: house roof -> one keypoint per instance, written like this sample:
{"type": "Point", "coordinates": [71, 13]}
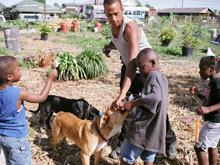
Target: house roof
{"type": "Point", "coordinates": [184, 10]}
{"type": "Point", "coordinates": [33, 6]}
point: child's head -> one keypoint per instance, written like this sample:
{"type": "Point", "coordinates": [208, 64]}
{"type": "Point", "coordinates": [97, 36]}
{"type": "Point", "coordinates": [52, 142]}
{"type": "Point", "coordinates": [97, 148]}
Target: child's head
{"type": "Point", "coordinates": [147, 60]}
{"type": "Point", "coordinates": [209, 67]}
{"type": "Point", "coordinates": [9, 69]}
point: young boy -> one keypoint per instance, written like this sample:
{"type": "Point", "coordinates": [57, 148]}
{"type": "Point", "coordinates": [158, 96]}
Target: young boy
{"type": "Point", "coordinates": [147, 132]}
{"type": "Point", "coordinates": [13, 125]}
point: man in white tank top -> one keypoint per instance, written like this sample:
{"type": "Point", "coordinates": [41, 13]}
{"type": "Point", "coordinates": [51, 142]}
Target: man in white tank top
{"type": "Point", "coordinates": [129, 39]}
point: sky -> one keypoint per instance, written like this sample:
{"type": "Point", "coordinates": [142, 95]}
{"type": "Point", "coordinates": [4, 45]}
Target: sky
{"type": "Point", "coordinates": [158, 4]}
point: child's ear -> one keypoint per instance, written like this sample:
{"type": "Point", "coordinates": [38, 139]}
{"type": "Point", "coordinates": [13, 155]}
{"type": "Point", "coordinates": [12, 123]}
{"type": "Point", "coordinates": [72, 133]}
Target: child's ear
{"type": "Point", "coordinates": [153, 63]}
{"type": "Point", "coordinates": [9, 77]}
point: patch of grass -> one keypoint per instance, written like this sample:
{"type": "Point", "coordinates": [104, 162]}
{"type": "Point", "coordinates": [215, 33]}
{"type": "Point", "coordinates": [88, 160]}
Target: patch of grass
{"type": "Point", "coordinates": [6, 51]}
{"type": "Point", "coordinates": [22, 64]}
{"type": "Point", "coordinates": [86, 40]}
{"type": "Point", "coordinates": [2, 39]}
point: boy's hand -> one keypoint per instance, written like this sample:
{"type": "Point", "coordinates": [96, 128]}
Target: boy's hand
{"type": "Point", "coordinates": [203, 110]}
{"type": "Point", "coordinates": [129, 105]}
{"type": "Point", "coordinates": [194, 91]}
{"type": "Point", "coordinates": [53, 75]}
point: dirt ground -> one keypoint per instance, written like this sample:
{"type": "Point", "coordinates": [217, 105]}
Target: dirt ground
{"type": "Point", "coordinates": [102, 91]}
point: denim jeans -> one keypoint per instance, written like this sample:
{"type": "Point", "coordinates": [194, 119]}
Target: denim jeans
{"type": "Point", "coordinates": [129, 153]}
{"type": "Point", "coordinates": [17, 151]}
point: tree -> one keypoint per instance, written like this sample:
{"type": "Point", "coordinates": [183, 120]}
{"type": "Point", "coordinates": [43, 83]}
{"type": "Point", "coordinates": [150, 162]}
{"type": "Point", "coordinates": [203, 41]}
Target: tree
{"type": "Point", "coordinates": [138, 3]}
{"type": "Point", "coordinates": [56, 5]}
{"type": "Point", "coordinates": [212, 14]}
{"type": "Point", "coordinates": [149, 6]}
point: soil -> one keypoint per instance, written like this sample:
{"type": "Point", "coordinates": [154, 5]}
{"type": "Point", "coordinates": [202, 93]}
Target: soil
{"type": "Point", "coordinates": [100, 92]}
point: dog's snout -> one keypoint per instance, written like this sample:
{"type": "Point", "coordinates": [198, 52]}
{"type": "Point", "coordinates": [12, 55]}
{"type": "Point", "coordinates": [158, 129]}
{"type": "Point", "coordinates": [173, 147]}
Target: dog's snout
{"type": "Point", "coordinates": [122, 111]}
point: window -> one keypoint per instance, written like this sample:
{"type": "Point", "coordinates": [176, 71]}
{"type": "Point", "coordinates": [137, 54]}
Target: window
{"type": "Point", "coordinates": [98, 12]}
{"type": "Point", "coordinates": [134, 12]}
{"type": "Point", "coordinates": [31, 17]}
{"type": "Point", "coordinates": [138, 12]}
{"type": "Point", "coordinates": [130, 13]}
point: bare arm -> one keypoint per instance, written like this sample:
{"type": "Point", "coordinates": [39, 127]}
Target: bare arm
{"type": "Point", "coordinates": [194, 91]}
{"type": "Point", "coordinates": [213, 108]}
{"type": "Point", "coordinates": [34, 97]}
{"type": "Point", "coordinates": [132, 35]}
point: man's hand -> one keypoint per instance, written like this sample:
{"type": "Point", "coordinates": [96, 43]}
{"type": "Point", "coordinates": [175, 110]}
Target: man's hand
{"type": "Point", "coordinates": [106, 50]}
{"type": "Point", "coordinates": [116, 104]}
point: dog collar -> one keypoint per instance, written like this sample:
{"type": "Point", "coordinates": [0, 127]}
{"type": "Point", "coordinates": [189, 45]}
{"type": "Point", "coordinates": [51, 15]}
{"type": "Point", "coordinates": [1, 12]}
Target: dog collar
{"type": "Point", "coordinates": [99, 132]}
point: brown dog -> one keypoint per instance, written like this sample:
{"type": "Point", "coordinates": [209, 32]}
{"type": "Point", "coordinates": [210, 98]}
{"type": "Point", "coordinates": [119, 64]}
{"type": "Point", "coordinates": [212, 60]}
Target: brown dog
{"type": "Point", "coordinates": [90, 135]}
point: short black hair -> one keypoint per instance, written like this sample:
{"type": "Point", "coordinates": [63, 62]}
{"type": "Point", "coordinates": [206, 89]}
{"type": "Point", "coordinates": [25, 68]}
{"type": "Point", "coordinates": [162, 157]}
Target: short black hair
{"type": "Point", "coordinates": [211, 61]}
{"type": "Point", "coordinates": [6, 66]}
{"type": "Point", "coordinates": [109, 2]}
{"type": "Point", "coordinates": [148, 53]}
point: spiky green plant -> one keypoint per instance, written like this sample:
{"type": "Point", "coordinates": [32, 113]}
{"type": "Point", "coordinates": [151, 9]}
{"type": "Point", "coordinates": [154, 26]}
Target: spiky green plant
{"type": "Point", "coordinates": [68, 67]}
{"type": "Point", "coordinates": [93, 64]}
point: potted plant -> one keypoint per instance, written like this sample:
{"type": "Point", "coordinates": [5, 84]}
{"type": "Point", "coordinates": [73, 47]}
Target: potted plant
{"type": "Point", "coordinates": [167, 35]}
{"type": "Point", "coordinates": [189, 39]}
{"type": "Point", "coordinates": [44, 30]}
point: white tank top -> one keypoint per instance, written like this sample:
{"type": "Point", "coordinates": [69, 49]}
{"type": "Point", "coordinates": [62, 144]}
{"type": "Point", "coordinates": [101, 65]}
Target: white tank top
{"type": "Point", "coordinates": [122, 45]}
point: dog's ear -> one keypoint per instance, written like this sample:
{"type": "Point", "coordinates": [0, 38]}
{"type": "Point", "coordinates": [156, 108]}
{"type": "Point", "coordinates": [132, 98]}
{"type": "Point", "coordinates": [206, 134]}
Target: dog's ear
{"type": "Point", "coordinates": [104, 120]}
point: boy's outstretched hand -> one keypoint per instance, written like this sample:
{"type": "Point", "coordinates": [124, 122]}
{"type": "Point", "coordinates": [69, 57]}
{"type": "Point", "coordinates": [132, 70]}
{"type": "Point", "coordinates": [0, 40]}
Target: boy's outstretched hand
{"type": "Point", "coordinates": [53, 74]}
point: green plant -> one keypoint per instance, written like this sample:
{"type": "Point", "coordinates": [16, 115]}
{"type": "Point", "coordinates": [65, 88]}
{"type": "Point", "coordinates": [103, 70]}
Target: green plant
{"type": "Point", "coordinates": [189, 38]}
{"type": "Point", "coordinates": [68, 67]}
{"type": "Point", "coordinates": [168, 34]}
{"type": "Point", "coordinates": [106, 30]}
{"type": "Point", "coordinates": [6, 51]}
{"type": "Point", "coordinates": [45, 29]}
{"type": "Point", "coordinates": [92, 63]}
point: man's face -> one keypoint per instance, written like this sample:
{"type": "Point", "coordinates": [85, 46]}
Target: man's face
{"type": "Point", "coordinates": [114, 13]}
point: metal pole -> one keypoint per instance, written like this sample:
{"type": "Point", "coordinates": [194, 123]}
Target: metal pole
{"type": "Point", "coordinates": [182, 3]}
{"type": "Point", "coordinates": [44, 11]}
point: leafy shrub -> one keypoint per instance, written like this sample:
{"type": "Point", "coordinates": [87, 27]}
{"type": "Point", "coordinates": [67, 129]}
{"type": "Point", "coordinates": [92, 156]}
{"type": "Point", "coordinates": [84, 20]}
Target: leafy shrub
{"type": "Point", "coordinates": [168, 34]}
{"type": "Point", "coordinates": [92, 63]}
{"type": "Point", "coordinates": [45, 29]}
{"type": "Point", "coordinates": [87, 65]}
{"type": "Point", "coordinates": [189, 38]}
{"type": "Point", "coordinates": [173, 50]}
{"type": "Point", "coordinates": [21, 24]}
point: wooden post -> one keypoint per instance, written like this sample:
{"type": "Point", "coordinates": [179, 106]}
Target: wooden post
{"type": "Point", "coordinates": [44, 11]}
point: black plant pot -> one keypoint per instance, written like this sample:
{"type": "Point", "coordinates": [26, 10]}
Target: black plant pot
{"type": "Point", "coordinates": [187, 51]}
{"type": "Point", "coordinates": [165, 43]}
{"type": "Point", "coordinates": [44, 37]}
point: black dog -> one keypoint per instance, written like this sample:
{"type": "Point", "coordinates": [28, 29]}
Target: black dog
{"type": "Point", "coordinates": [80, 107]}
